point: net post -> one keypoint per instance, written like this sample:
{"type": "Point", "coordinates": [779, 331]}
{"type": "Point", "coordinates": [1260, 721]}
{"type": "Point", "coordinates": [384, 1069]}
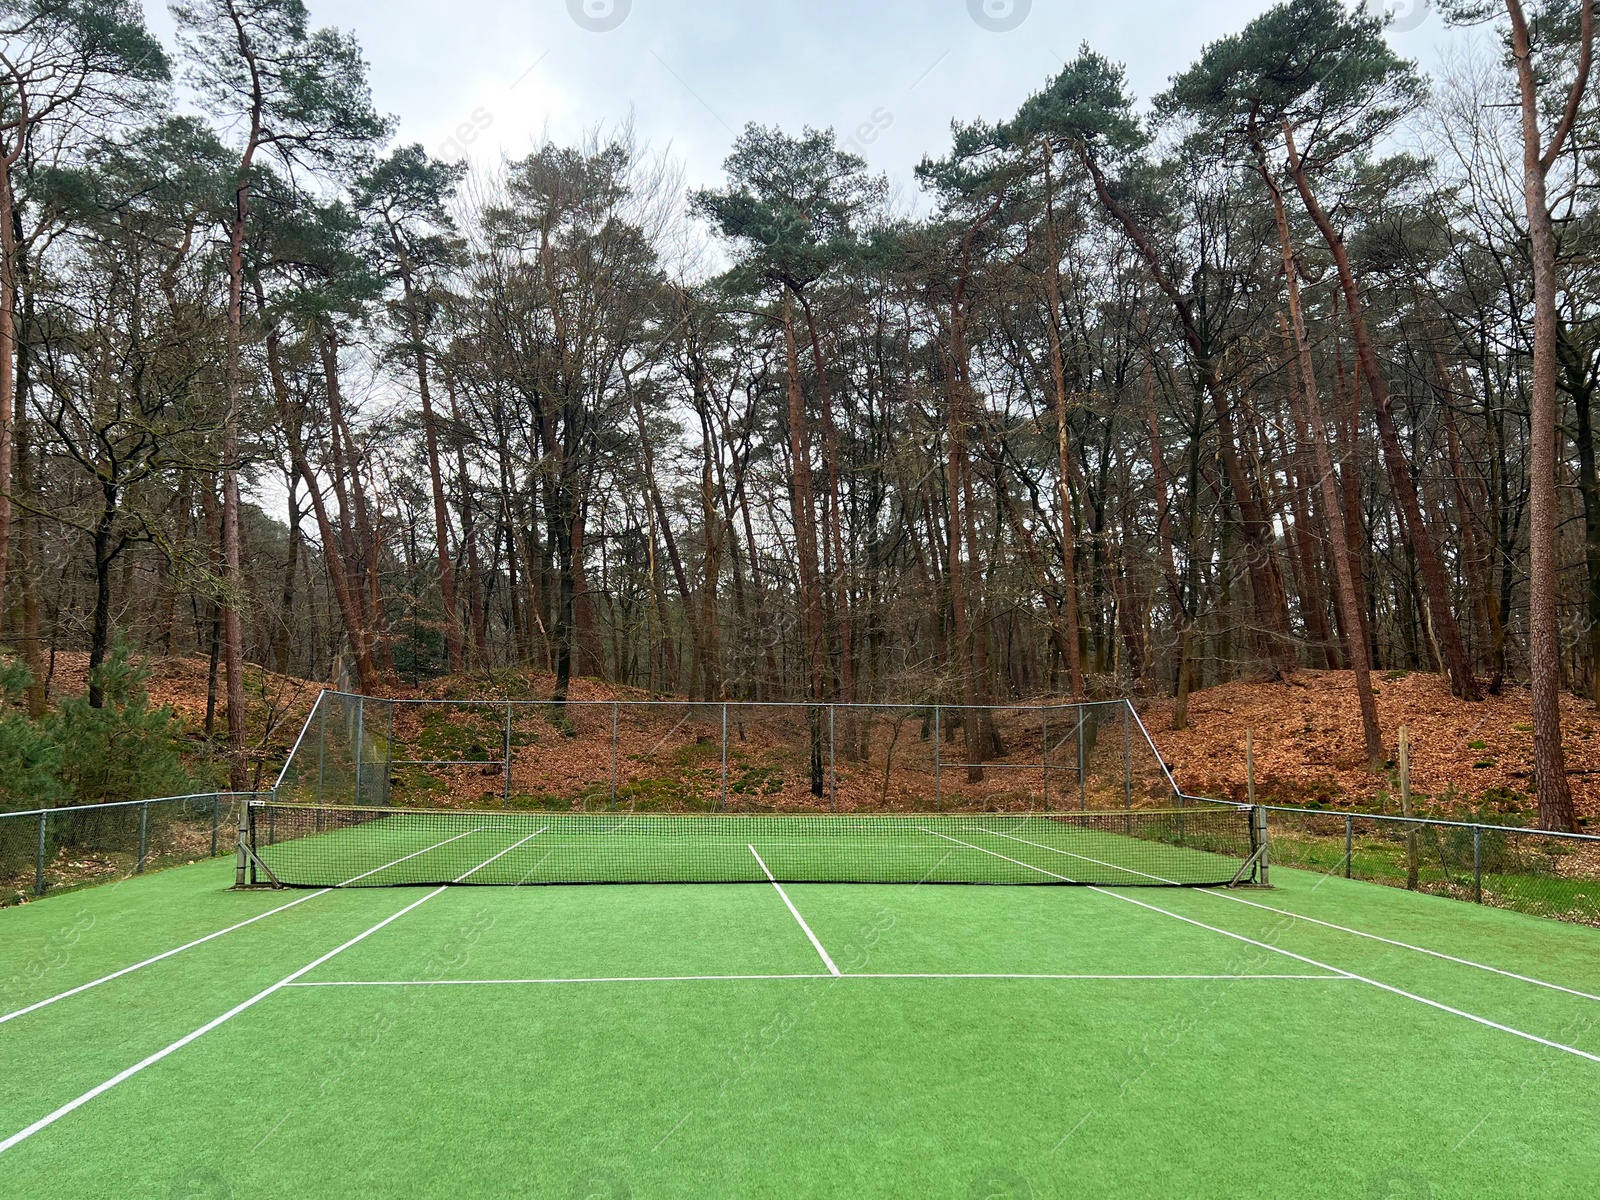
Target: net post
{"type": "Point", "coordinates": [144, 829]}
{"type": "Point", "coordinates": [1127, 755]}
{"type": "Point", "coordinates": [723, 804]}
{"type": "Point", "coordinates": [1477, 864]}
{"type": "Point", "coordinates": [361, 735]}
{"type": "Point", "coordinates": [613, 754]}
{"type": "Point", "coordinates": [38, 878]}
{"type": "Point", "coordinates": [508, 755]}
{"type": "Point", "coordinates": [938, 740]}
{"type": "Point", "coordinates": [1258, 817]}
{"type": "Point", "coordinates": [832, 709]}
{"type": "Point", "coordinates": [1349, 841]}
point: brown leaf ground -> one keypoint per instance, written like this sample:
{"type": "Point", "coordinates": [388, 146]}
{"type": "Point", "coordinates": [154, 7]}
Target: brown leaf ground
{"type": "Point", "coordinates": [1465, 757]}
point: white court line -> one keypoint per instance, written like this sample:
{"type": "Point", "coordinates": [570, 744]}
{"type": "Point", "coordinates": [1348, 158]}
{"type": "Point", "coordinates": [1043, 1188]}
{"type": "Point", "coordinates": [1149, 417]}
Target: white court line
{"type": "Point", "coordinates": [200, 941]}
{"type": "Point", "coordinates": [826, 961]}
{"type": "Point", "coordinates": [1239, 937]}
{"type": "Point", "coordinates": [49, 1119]}
{"type": "Point", "coordinates": [1284, 912]}
{"type": "Point", "coordinates": [100, 1089]}
{"type": "Point", "coordinates": [312, 983]}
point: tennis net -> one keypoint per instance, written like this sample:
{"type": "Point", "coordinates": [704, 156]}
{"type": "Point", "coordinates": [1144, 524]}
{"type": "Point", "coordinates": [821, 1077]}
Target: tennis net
{"type": "Point", "coordinates": [310, 846]}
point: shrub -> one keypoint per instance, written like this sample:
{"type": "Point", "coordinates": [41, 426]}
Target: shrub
{"type": "Point", "coordinates": [124, 750]}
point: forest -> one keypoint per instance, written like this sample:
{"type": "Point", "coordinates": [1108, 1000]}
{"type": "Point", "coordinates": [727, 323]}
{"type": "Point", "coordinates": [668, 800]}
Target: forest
{"type": "Point", "coordinates": [1289, 366]}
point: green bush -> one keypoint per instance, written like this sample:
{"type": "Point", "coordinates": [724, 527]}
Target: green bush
{"type": "Point", "coordinates": [29, 762]}
{"type": "Point", "coordinates": [124, 750]}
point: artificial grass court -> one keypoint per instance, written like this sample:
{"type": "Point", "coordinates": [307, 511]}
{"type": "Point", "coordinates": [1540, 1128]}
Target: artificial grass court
{"type": "Point", "coordinates": [694, 1040]}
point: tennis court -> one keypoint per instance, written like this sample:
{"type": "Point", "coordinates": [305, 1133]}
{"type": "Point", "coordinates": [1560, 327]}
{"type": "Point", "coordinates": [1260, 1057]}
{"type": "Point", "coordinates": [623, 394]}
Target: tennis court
{"type": "Point", "coordinates": [170, 1036]}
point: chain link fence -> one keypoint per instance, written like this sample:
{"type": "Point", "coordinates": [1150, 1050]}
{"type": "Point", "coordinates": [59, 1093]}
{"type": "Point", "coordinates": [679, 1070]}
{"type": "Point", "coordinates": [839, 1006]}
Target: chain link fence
{"type": "Point", "coordinates": [62, 847]}
{"type": "Point", "coordinates": [678, 756]}
{"type": "Point", "coordinates": [1529, 870]}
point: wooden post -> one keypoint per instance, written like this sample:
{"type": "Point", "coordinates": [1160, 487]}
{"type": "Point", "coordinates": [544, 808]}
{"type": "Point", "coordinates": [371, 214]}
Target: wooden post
{"type": "Point", "coordinates": [1405, 808]}
{"type": "Point", "coordinates": [1250, 764]}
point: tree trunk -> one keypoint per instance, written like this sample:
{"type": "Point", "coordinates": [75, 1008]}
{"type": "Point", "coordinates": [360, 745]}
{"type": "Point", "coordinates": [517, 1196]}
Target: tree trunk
{"type": "Point", "coordinates": [1401, 482]}
{"type": "Point", "coordinates": [1544, 632]}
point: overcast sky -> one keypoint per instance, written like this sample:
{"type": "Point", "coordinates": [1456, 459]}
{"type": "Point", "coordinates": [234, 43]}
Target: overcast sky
{"type": "Point", "coordinates": [477, 78]}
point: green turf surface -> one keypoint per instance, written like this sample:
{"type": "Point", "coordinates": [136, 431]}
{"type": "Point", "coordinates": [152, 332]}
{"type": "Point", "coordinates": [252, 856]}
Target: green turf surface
{"type": "Point", "coordinates": [681, 1040]}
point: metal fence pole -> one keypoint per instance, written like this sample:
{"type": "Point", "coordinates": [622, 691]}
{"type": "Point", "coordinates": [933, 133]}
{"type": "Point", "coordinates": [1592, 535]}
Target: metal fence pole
{"type": "Point", "coordinates": [724, 802]}
{"type": "Point", "coordinates": [613, 754]}
{"type": "Point", "coordinates": [216, 812]}
{"type": "Point", "coordinates": [1477, 865]}
{"type": "Point", "coordinates": [322, 746]}
{"type": "Point", "coordinates": [38, 881]}
{"type": "Point", "coordinates": [1127, 755]}
{"type": "Point", "coordinates": [144, 827]}
{"type": "Point", "coordinates": [1083, 774]}
{"type": "Point", "coordinates": [361, 737]}
{"type": "Point", "coordinates": [388, 755]}
{"type": "Point", "coordinates": [831, 710]}
{"type": "Point", "coordinates": [508, 755]}
{"type": "Point", "coordinates": [938, 784]}
{"type": "Point", "coordinates": [1349, 837]}
{"type": "Point", "coordinates": [1044, 753]}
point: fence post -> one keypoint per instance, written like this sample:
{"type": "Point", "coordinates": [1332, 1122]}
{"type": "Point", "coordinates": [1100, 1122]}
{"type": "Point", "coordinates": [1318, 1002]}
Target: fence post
{"type": "Point", "coordinates": [508, 755]}
{"type": "Point", "coordinates": [1083, 773]}
{"type": "Point", "coordinates": [388, 755]}
{"type": "Point", "coordinates": [1349, 837]}
{"type": "Point", "coordinates": [1127, 755]}
{"type": "Point", "coordinates": [216, 811]}
{"type": "Point", "coordinates": [613, 754]}
{"type": "Point", "coordinates": [1044, 752]}
{"type": "Point", "coordinates": [1477, 864]}
{"type": "Point", "coordinates": [361, 737]}
{"type": "Point", "coordinates": [322, 746]}
{"type": "Point", "coordinates": [1250, 765]}
{"type": "Point", "coordinates": [144, 827]}
{"type": "Point", "coordinates": [724, 802]}
{"type": "Point", "coordinates": [832, 709]}
{"type": "Point", "coordinates": [38, 881]}
{"type": "Point", "coordinates": [938, 739]}
{"type": "Point", "coordinates": [1405, 809]}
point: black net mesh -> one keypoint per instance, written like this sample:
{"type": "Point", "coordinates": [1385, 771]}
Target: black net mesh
{"type": "Point", "coordinates": [320, 846]}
